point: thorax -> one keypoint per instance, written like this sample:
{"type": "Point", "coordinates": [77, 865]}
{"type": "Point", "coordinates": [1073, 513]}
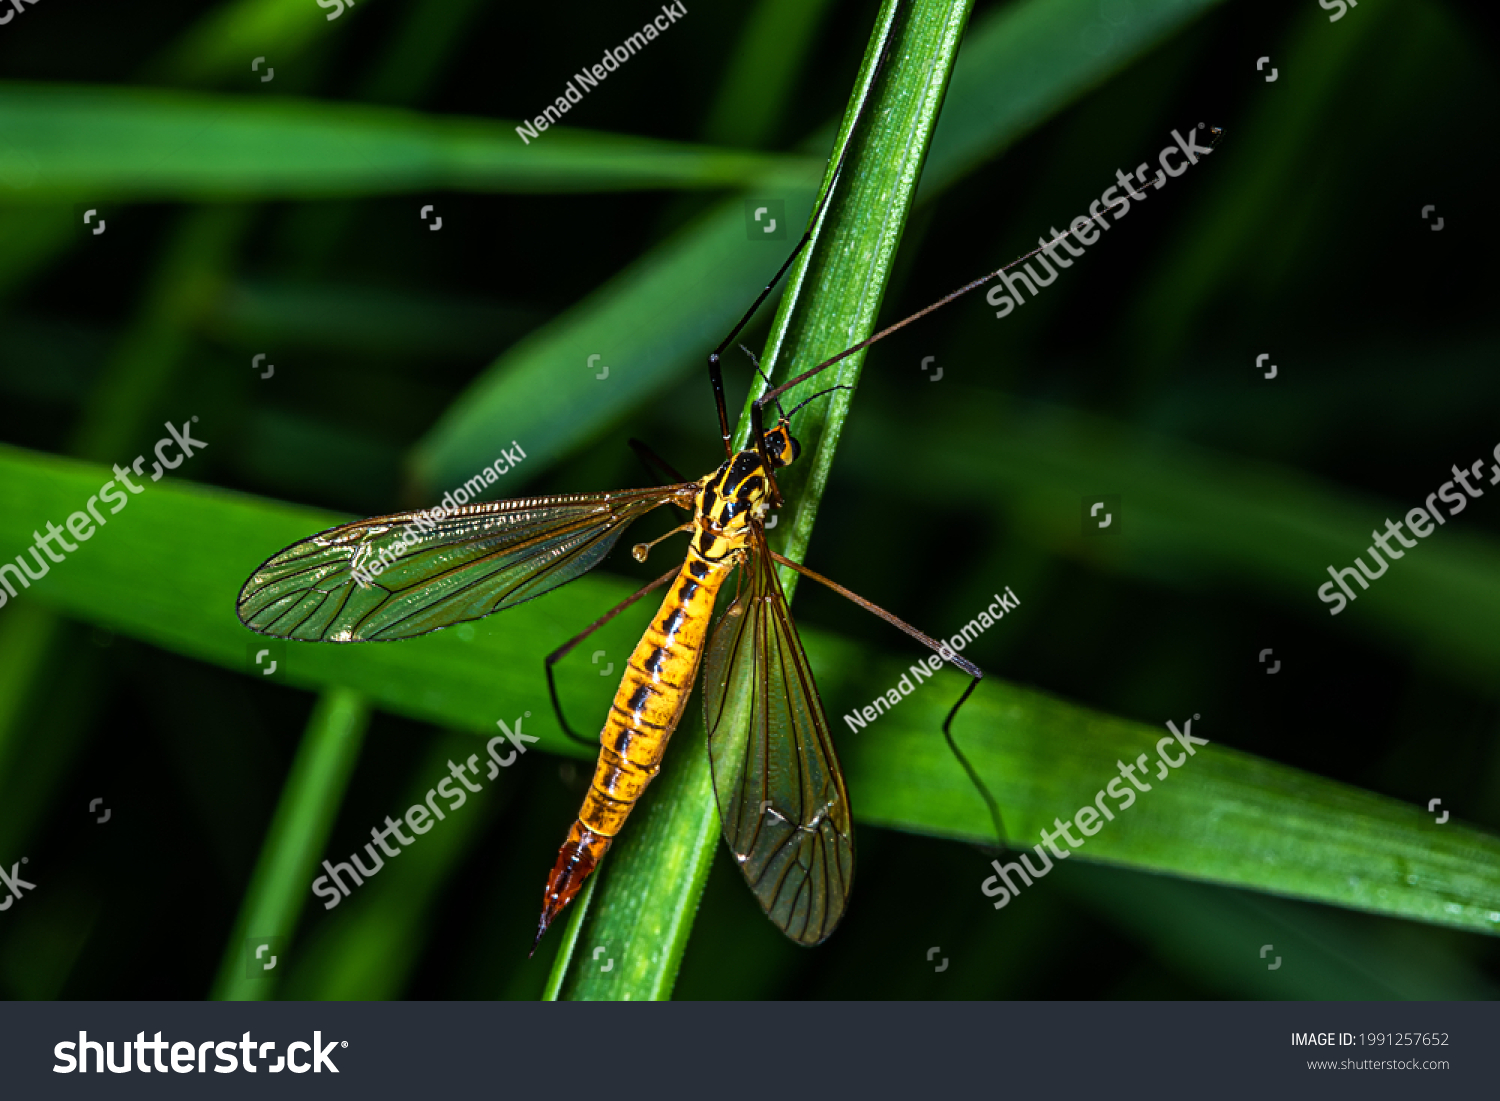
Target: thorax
{"type": "Point", "coordinates": [727, 501]}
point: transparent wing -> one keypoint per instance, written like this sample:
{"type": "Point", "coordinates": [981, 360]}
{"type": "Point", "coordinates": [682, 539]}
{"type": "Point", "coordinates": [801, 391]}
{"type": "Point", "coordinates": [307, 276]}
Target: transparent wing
{"type": "Point", "coordinates": [399, 576]}
{"type": "Point", "coordinates": [782, 801]}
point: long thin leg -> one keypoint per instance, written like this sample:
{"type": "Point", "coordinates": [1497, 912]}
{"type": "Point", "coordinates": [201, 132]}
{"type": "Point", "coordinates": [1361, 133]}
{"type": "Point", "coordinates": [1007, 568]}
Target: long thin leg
{"type": "Point", "coordinates": [647, 456]}
{"type": "Point", "coordinates": [715, 373]}
{"type": "Point", "coordinates": [566, 648]}
{"type": "Point", "coordinates": [942, 650]}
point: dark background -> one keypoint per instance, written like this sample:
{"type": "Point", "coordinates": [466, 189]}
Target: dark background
{"type": "Point", "coordinates": [1304, 241]}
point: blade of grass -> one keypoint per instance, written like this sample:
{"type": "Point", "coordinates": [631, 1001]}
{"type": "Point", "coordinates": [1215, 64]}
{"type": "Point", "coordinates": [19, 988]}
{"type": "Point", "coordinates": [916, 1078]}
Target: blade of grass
{"type": "Point", "coordinates": [146, 359]}
{"type": "Point", "coordinates": [1227, 516]}
{"type": "Point", "coordinates": [1028, 61]}
{"type": "Point", "coordinates": [33, 235]}
{"type": "Point", "coordinates": [294, 844]}
{"type": "Point", "coordinates": [1222, 816]}
{"type": "Point", "coordinates": [219, 44]}
{"type": "Point", "coordinates": [650, 895]}
{"type": "Point", "coordinates": [570, 936]}
{"type": "Point", "coordinates": [652, 321]}
{"type": "Point", "coordinates": [760, 75]}
{"type": "Point", "coordinates": [1241, 820]}
{"type": "Point", "coordinates": [368, 946]}
{"type": "Point", "coordinates": [110, 143]}
{"type": "Point", "coordinates": [1215, 936]}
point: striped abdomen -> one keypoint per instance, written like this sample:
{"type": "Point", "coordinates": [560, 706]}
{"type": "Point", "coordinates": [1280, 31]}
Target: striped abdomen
{"type": "Point", "coordinates": [647, 706]}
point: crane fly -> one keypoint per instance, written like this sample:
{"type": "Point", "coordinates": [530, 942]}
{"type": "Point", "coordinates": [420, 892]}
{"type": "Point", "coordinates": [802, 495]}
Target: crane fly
{"type": "Point", "coordinates": [782, 802]}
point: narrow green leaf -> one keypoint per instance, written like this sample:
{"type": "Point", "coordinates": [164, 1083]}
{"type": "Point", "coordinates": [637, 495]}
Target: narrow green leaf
{"type": "Point", "coordinates": [223, 40]}
{"type": "Point", "coordinates": [615, 350]}
{"type": "Point", "coordinates": [569, 945]}
{"type": "Point", "coordinates": [650, 894]}
{"type": "Point", "coordinates": [1330, 955]}
{"type": "Point", "coordinates": [98, 143]}
{"type": "Point", "coordinates": [1237, 819]}
{"type": "Point", "coordinates": [760, 75]}
{"type": "Point", "coordinates": [1224, 516]}
{"type": "Point", "coordinates": [1221, 815]}
{"type": "Point", "coordinates": [1028, 61]}
{"type": "Point", "coordinates": [362, 949]}
{"type": "Point", "coordinates": [294, 844]}
{"type": "Point", "coordinates": [652, 323]}
{"type": "Point", "coordinates": [125, 577]}
{"type": "Point", "coordinates": [34, 234]}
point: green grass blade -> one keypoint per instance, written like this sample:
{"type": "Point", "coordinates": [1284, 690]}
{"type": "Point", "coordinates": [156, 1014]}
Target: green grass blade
{"type": "Point", "coordinates": [553, 990]}
{"type": "Point", "coordinates": [217, 45]}
{"type": "Point", "coordinates": [1223, 816]}
{"type": "Point", "coordinates": [107, 143]}
{"type": "Point", "coordinates": [760, 75]}
{"type": "Point", "coordinates": [294, 844]}
{"type": "Point", "coordinates": [362, 949]}
{"type": "Point", "coordinates": [1233, 519]}
{"type": "Point", "coordinates": [646, 325]}
{"type": "Point", "coordinates": [1027, 61]}
{"type": "Point", "coordinates": [1239, 820]}
{"type": "Point", "coordinates": [649, 897]}
{"type": "Point", "coordinates": [185, 603]}
{"type": "Point", "coordinates": [223, 42]}
{"type": "Point", "coordinates": [654, 322]}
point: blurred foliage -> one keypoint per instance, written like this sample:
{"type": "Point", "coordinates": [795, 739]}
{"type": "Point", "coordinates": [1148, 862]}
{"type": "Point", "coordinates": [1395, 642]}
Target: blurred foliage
{"type": "Point", "coordinates": [405, 358]}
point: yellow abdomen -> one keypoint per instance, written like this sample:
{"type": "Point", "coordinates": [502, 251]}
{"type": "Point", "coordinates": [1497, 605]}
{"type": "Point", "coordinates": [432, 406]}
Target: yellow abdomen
{"type": "Point", "coordinates": [647, 707]}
